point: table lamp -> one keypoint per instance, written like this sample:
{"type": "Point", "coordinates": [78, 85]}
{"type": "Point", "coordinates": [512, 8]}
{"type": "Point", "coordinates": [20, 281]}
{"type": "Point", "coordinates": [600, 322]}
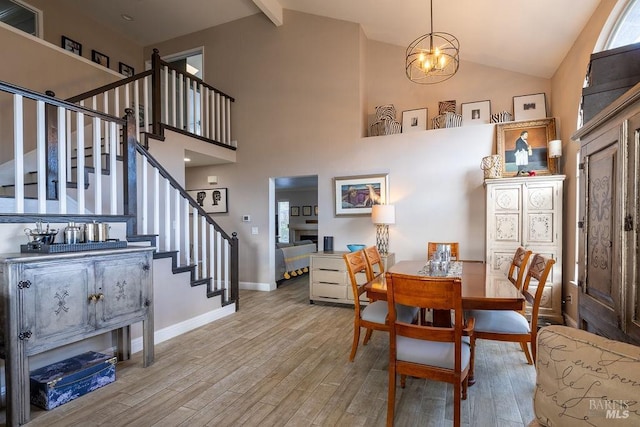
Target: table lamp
{"type": "Point", "coordinates": [382, 216]}
{"type": "Point", "coordinates": [555, 152]}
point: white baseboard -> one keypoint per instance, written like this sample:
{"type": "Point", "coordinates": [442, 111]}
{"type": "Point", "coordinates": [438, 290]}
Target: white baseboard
{"type": "Point", "coordinates": [254, 286]}
{"type": "Point", "coordinates": [186, 326]}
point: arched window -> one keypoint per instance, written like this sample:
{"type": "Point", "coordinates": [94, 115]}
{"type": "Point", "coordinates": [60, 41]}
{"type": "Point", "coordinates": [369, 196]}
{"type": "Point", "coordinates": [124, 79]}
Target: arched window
{"type": "Point", "coordinates": [626, 29]}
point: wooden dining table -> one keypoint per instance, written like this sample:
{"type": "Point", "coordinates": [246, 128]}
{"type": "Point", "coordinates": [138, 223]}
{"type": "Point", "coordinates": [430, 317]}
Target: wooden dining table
{"type": "Point", "coordinates": [482, 289]}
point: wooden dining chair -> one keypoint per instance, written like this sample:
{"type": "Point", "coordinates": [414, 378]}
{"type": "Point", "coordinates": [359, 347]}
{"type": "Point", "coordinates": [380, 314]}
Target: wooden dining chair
{"type": "Point", "coordinates": [520, 260]}
{"type": "Point", "coordinates": [433, 246]}
{"type": "Point", "coordinates": [512, 325]}
{"type": "Point", "coordinates": [374, 262]}
{"type": "Point", "coordinates": [438, 353]}
{"type": "Point", "coordinates": [372, 316]}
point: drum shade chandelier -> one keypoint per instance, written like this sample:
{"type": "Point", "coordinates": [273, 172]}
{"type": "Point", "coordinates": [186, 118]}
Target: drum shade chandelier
{"type": "Point", "coordinates": [432, 58]}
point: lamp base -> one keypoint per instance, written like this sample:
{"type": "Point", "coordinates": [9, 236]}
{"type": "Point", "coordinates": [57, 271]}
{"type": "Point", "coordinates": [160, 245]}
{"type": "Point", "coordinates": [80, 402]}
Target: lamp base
{"type": "Point", "coordinates": [382, 238]}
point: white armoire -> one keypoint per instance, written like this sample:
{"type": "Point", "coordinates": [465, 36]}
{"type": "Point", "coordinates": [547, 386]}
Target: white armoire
{"type": "Point", "coordinates": [527, 212]}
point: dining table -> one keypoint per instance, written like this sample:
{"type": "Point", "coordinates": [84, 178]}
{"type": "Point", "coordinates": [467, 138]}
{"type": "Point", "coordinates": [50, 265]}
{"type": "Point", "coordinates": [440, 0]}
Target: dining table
{"type": "Point", "coordinates": [482, 287]}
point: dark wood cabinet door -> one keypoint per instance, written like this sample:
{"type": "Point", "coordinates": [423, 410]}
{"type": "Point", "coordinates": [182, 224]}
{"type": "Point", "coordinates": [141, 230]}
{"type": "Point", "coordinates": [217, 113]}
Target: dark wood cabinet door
{"type": "Point", "coordinates": [600, 300]}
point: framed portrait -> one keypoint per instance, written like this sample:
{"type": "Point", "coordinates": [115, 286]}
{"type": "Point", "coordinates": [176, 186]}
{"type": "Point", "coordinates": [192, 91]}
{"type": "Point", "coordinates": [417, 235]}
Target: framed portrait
{"type": "Point", "coordinates": [125, 69]}
{"type": "Point", "coordinates": [212, 200]}
{"type": "Point", "coordinates": [476, 113]}
{"type": "Point", "coordinates": [355, 195]}
{"type": "Point", "coordinates": [414, 120]}
{"type": "Point", "coordinates": [306, 211]}
{"type": "Point", "coordinates": [530, 107]}
{"type": "Point", "coordinates": [295, 210]}
{"type": "Point", "coordinates": [100, 58]}
{"type": "Point", "coordinates": [523, 146]}
{"type": "Point", "coordinates": [71, 45]}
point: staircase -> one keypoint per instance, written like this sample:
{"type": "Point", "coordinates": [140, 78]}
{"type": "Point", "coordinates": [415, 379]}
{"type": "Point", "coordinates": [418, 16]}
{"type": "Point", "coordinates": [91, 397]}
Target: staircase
{"type": "Point", "coordinates": [116, 179]}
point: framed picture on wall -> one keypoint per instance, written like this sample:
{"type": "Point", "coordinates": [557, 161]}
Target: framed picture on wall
{"type": "Point", "coordinates": [355, 195]}
{"type": "Point", "coordinates": [530, 107]}
{"type": "Point", "coordinates": [306, 211]}
{"type": "Point", "coordinates": [125, 69]}
{"type": "Point", "coordinates": [100, 58]}
{"type": "Point", "coordinates": [295, 210]}
{"type": "Point", "coordinates": [212, 200]}
{"type": "Point", "coordinates": [414, 120]}
{"type": "Point", "coordinates": [476, 113]}
{"type": "Point", "coordinates": [71, 45]}
{"type": "Point", "coordinates": [523, 146]}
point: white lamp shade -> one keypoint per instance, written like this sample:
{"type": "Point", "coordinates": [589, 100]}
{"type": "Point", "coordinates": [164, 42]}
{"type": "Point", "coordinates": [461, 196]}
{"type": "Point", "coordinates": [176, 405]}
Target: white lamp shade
{"type": "Point", "coordinates": [555, 148]}
{"type": "Point", "coordinates": [383, 214]}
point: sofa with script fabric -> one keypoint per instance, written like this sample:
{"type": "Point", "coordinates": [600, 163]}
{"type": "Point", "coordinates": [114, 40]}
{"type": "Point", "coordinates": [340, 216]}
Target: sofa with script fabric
{"type": "Point", "coordinates": [583, 379]}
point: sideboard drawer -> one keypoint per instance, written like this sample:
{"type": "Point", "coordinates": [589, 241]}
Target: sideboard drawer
{"type": "Point", "coordinates": [327, 290]}
{"type": "Point", "coordinates": [330, 276]}
{"type": "Point", "coordinates": [335, 264]}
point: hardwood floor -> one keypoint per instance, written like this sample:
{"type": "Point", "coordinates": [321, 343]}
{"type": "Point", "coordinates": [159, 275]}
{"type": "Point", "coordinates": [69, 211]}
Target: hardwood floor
{"type": "Point", "coordinates": [283, 362]}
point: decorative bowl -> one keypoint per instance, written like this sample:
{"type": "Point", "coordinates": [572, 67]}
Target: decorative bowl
{"type": "Point", "coordinates": [354, 248]}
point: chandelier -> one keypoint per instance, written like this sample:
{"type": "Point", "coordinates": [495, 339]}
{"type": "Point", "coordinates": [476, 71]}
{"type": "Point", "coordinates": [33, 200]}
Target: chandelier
{"type": "Point", "coordinates": [432, 58]}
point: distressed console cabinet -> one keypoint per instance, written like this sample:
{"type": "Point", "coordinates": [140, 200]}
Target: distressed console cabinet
{"type": "Point", "coordinates": [50, 300]}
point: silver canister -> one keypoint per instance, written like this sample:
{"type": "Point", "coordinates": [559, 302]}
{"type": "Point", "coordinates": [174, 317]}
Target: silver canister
{"type": "Point", "coordinates": [102, 232]}
{"type": "Point", "coordinates": [73, 234]}
{"type": "Point", "coordinates": [90, 231]}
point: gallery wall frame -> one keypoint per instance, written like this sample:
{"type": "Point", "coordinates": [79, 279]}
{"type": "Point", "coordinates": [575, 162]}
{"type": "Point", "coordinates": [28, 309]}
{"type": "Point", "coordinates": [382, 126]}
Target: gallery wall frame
{"type": "Point", "coordinates": [71, 45]}
{"type": "Point", "coordinates": [414, 120]}
{"type": "Point", "coordinates": [99, 58]}
{"type": "Point", "coordinates": [212, 200]}
{"type": "Point", "coordinates": [355, 195]}
{"type": "Point", "coordinates": [476, 113]}
{"type": "Point", "coordinates": [538, 135]}
{"type": "Point", "coordinates": [530, 107]}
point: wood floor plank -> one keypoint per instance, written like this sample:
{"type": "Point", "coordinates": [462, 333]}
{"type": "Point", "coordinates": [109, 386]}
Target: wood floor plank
{"type": "Point", "coordinates": [280, 361]}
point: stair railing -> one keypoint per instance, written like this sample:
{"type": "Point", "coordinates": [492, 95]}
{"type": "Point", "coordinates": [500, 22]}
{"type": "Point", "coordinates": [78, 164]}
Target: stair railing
{"type": "Point", "coordinates": [57, 137]}
{"type": "Point", "coordinates": [167, 97]}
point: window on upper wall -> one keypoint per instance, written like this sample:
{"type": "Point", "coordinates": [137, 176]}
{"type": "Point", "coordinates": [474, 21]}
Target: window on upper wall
{"type": "Point", "coordinates": [627, 28]}
{"type": "Point", "coordinates": [21, 16]}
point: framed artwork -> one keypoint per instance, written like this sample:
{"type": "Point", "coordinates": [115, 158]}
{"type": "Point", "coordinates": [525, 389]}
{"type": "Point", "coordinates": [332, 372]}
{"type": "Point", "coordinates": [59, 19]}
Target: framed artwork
{"type": "Point", "coordinates": [100, 58]}
{"type": "Point", "coordinates": [125, 69]}
{"type": "Point", "coordinates": [212, 200]}
{"type": "Point", "coordinates": [295, 210]}
{"type": "Point", "coordinates": [414, 120]}
{"type": "Point", "coordinates": [476, 113]}
{"type": "Point", "coordinates": [71, 45]}
{"type": "Point", "coordinates": [354, 195]}
{"type": "Point", "coordinates": [306, 211]}
{"type": "Point", "coordinates": [315, 210]}
{"type": "Point", "coordinates": [523, 146]}
{"type": "Point", "coordinates": [530, 107]}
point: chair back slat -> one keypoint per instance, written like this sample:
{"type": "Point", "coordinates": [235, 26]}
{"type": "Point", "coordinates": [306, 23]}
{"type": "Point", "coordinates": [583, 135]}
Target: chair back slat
{"type": "Point", "coordinates": [374, 262]}
{"type": "Point", "coordinates": [356, 263]}
{"type": "Point", "coordinates": [539, 269]}
{"type": "Point", "coordinates": [520, 259]}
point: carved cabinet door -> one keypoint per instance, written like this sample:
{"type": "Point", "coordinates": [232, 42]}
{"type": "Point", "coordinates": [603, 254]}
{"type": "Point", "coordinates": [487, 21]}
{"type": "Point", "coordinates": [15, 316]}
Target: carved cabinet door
{"type": "Point", "coordinates": [54, 303]}
{"type": "Point", "coordinates": [121, 289]}
{"type": "Point", "coordinates": [600, 275]}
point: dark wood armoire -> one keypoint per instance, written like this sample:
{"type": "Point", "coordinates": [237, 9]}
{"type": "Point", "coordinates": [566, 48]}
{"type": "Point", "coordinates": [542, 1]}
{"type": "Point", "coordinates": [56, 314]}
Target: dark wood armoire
{"type": "Point", "coordinates": [609, 213]}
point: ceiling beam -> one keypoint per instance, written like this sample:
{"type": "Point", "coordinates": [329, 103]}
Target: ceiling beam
{"type": "Point", "coordinates": [272, 9]}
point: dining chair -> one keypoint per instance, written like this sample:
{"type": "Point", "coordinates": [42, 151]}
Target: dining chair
{"type": "Point", "coordinates": [372, 316]}
{"type": "Point", "coordinates": [520, 259]}
{"type": "Point", "coordinates": [374, 262]}
{"type": "Point", "coordinates": [432, 352]}
{"type": "Point", "coordinates": [512, 325]}
{"type": "Point", "coordinates": [433, 246]}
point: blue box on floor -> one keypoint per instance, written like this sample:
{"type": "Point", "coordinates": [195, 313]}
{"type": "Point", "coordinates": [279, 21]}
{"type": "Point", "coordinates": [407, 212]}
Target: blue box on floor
{"type": "Point", "coordinates": [61, 382]}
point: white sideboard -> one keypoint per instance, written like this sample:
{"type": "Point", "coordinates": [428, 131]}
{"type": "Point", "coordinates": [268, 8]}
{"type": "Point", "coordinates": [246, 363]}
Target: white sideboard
{"type": "Point", "coordinates": [329, 279]}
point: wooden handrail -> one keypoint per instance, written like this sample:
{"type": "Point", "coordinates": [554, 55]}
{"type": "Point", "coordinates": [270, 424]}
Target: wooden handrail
{"type": "Point", "coordinates": [108, 87]}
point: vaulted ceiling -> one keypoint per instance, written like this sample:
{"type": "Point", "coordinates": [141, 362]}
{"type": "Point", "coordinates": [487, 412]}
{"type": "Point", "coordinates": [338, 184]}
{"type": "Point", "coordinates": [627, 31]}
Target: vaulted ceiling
{"type": "Point", "coordinates": [527, 36]}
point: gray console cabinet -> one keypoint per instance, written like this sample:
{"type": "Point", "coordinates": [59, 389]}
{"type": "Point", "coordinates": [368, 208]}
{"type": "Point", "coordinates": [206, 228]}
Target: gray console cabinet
{"type": "Point", "coordinates": [50, 300]}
